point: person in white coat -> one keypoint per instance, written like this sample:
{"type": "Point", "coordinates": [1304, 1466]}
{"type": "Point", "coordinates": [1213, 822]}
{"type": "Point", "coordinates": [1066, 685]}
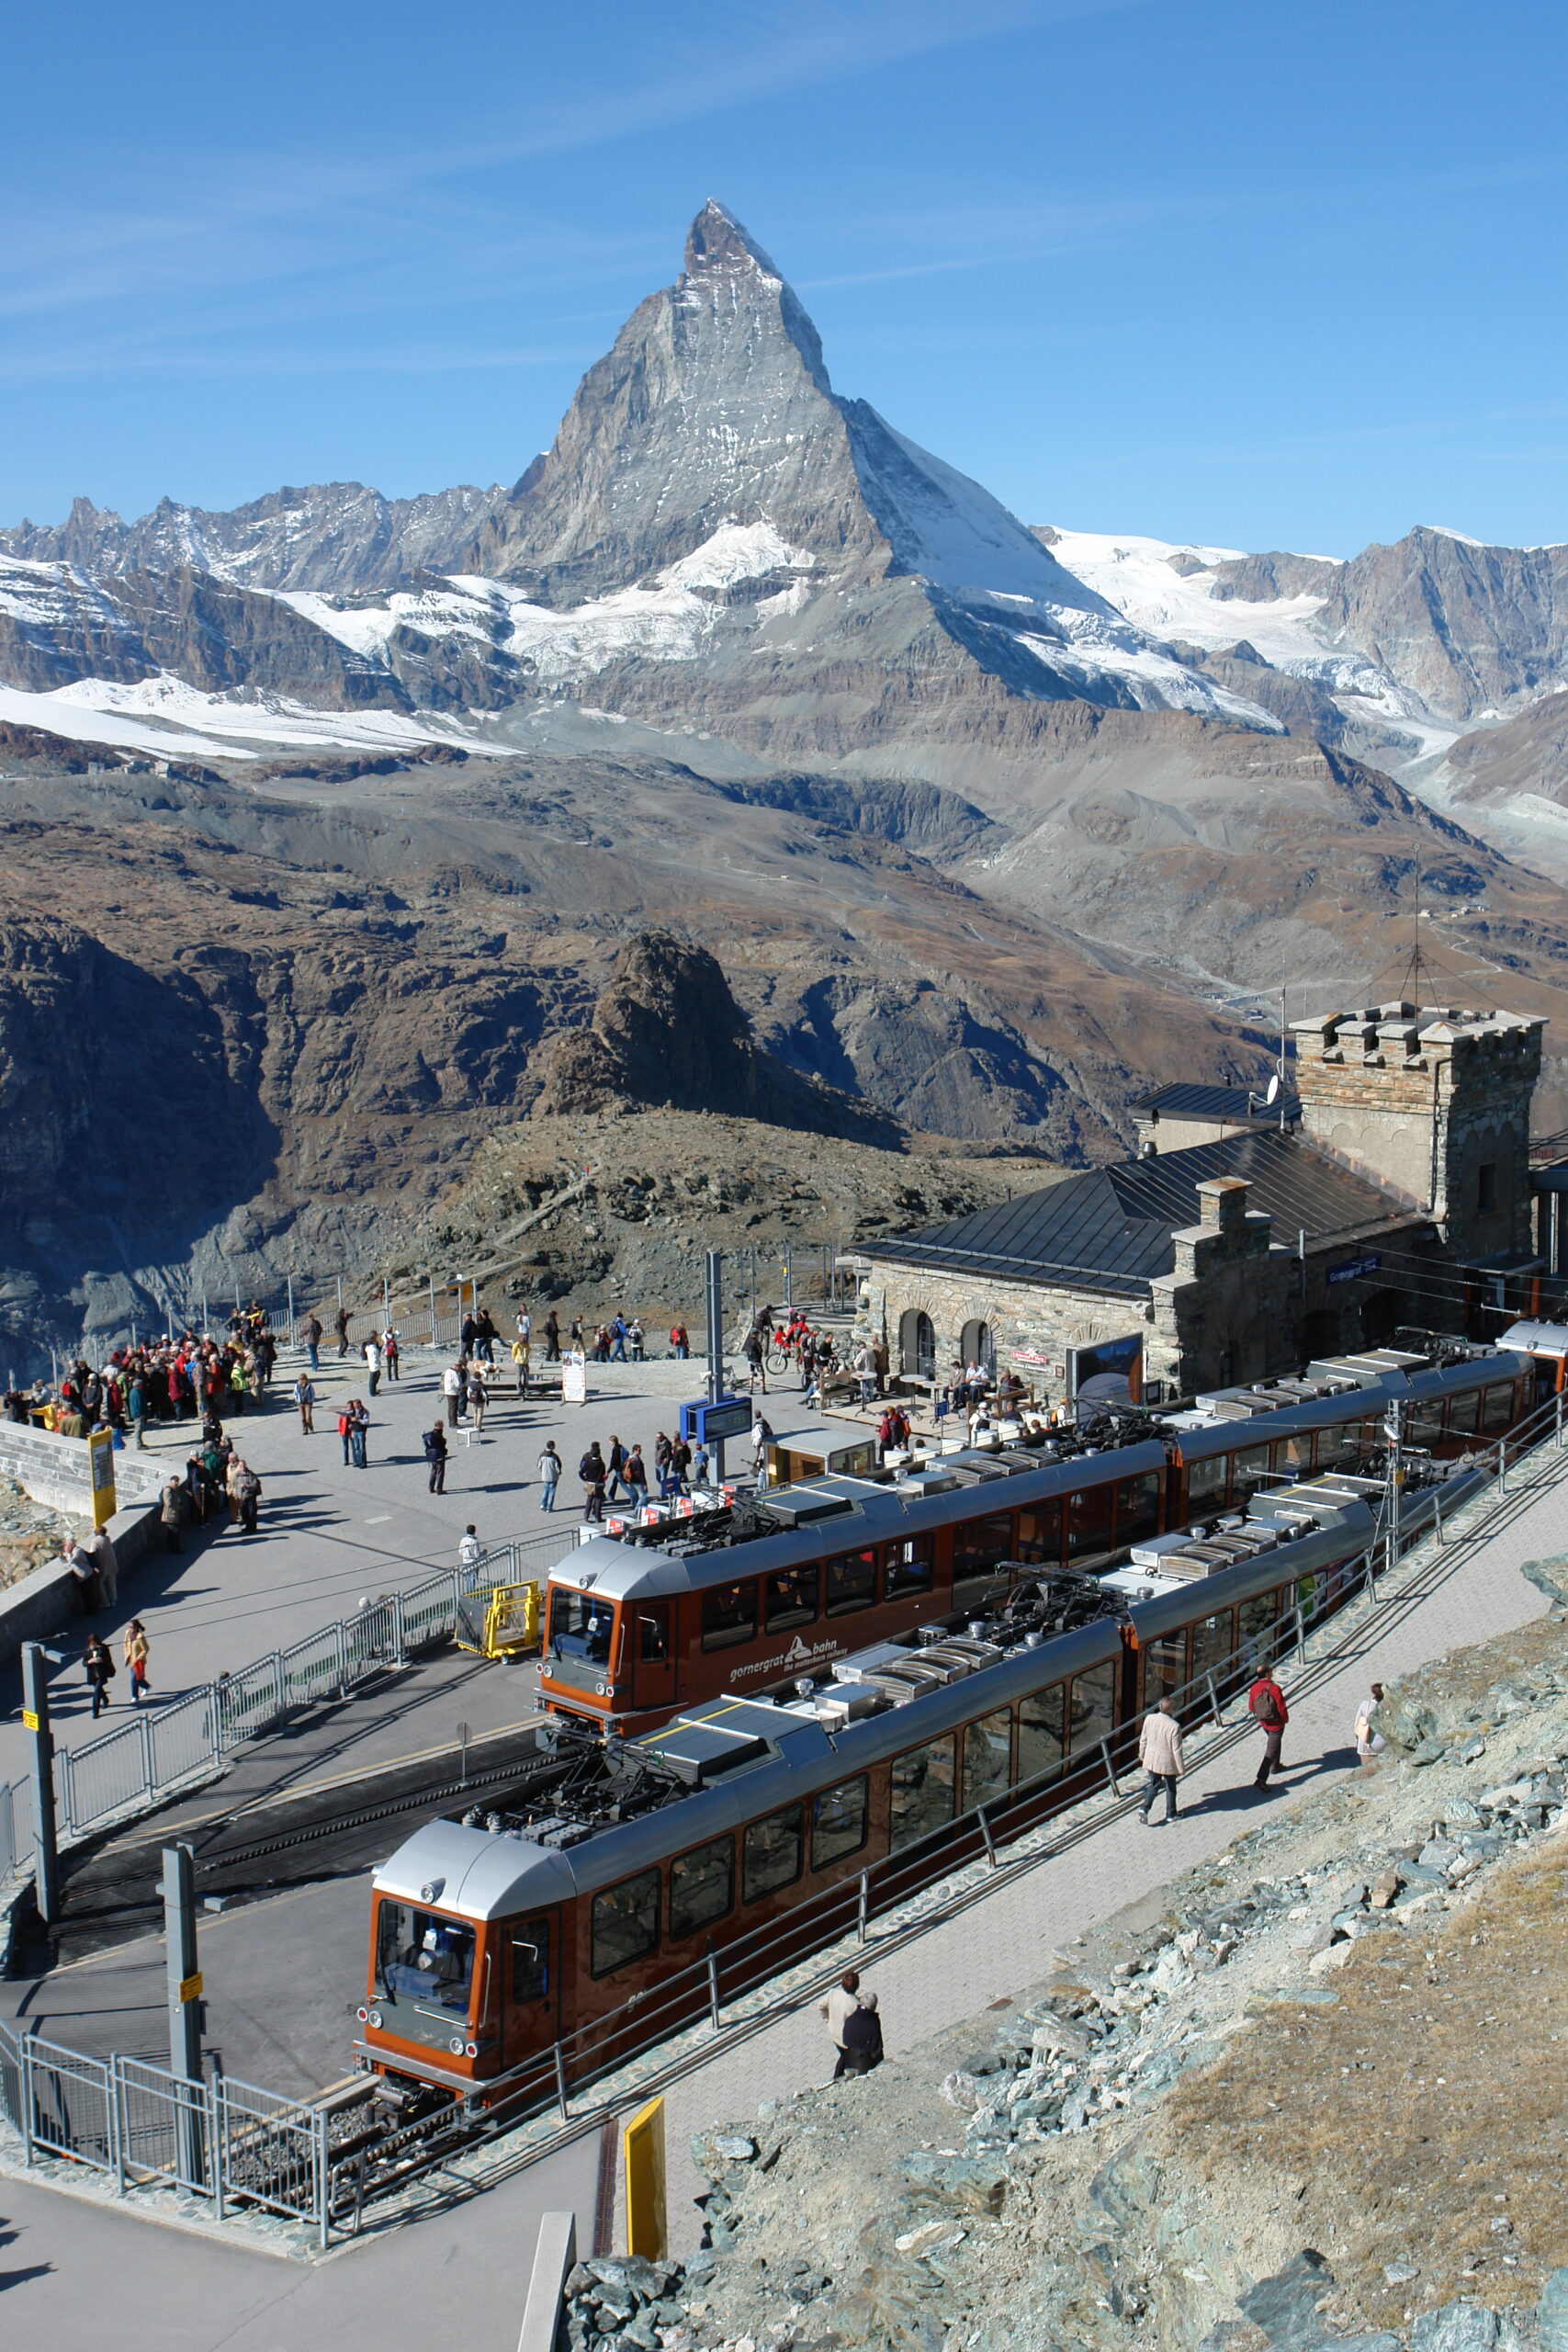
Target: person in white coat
{"type": "Point", "coordinates": [1159, 1753]}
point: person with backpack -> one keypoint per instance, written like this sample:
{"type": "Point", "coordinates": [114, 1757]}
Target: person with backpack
{"type": "Point", "coordinates": [435, 1455]}
{"type": "Point", "coordinates": [1266, 1706]}
{"type": "Point", "coordinates": [98, 1666]}
{"type": "Point", "coordinates": [853, 2025]}
{"type": "Point", "coordinates": [592, 1473]}
{"type": "Point", "coordinates": [635, 1473]}
{"type": "Point", "coordinates": [549, 1476]}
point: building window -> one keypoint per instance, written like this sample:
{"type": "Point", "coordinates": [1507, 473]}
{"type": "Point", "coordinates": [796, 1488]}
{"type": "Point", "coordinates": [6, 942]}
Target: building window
{"type": "Point", "coordinates": [1486, 1187]}
{"type": "Point", "coordinates": [917, 1344]}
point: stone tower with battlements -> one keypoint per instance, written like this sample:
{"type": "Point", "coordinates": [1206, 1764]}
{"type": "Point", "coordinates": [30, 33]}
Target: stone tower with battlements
{"type": "Point", "coordinates": [1435, 1102]}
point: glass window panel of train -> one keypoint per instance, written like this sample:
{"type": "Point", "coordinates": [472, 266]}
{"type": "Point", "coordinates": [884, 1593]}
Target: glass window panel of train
{"type": "Point", "coordinates": [729, 1615]}
{"type": "Point", "coordinates": [1088, 1521]}
{"type": "Point", "coordinates": [1213, 1638]}
{"type": "Point", "coordinates": [839, 1822]}
{"type": "Point", "coordinates": [1423, 1424]}
{"type": "Point", "coordinates": [1257, 1620]}
{"type": "Point", "coordinates": [909, 1567]}
{"type": "Point", "coordinates": [1040, 1534]}
{"type": "Point", "coordinates": [1251, 1472]}
{"type": "Point", "coordinates": [1498, 1408]}
{"type": "Point", "coordinates": [1296, 1452]}
{"type": "Point", "coordinates": [425, 1970]}
{"type": "Point", "coordinates": [626, 1922]}
{"type": "Point", "coordinates": [1091, 1706]}
{"type": "Point", "coordinates": [1040, 1730]}
{"type": "Point", "coordinates": [653, 1634]}
{"type": "Point", "coordinates": [979, 1545]}
{"type": "Point", "coordinates": [773, 1853]}
{"type": "Point", "coordinates": [1464, 1414]}
{"type": "Point", "coordinates": [922, 1792]}
{"type": "Point", "coordinates": [1206, 1481]}
{"type": "Point", "coordinates": [1164, 1668]}
{"type": "Point", "coordinates": [579, 1626]}
{"type": "Point", "coordinates": [1137, 1509]}
{"type": "Point", "coordinates": [702, 1886]}
{"type": "Point", "coordinates": [851, 1582]}
{"type": "Point", "coordinates": [531, 1959]}
{"type": "Point", "coordinates": [987, 1757]}
{"type": "Point", "coordinates": [789, 1598]}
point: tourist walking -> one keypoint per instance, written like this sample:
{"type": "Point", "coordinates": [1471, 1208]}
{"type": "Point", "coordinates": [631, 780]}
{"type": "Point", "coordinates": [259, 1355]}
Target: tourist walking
{"type": "Point", "coordinates": [1159, 1753]}
{"type": "Point", "coordinates": [305, 1397]}
{"type": "Point", "coordinates": [549, 1476]}
{"type": "Point", "coordinates": [635, 1476]}
{"type": "Point", "coordinates": [244, 1487]}
{"type": "Point", "coordinates": [452, 1382]}
{"type": "Point", "coordinates": [98, 1666]}
{"type": "Point", "coordinates": [172, 1513]}
{"type": "Point", "coordinates": [313, 1335]}
{"type": "Point", "coordinates": [340, 1325]}
{"type": "Point", "coordinates": [1266, 1706]}
{"type": "Point", "coordinates": [436, 1456]}
{"type": "Point", "coordinates": [519, 1360]}
{"type": "Point", "coordinates": [847, 2001]}
{"type": "Point", "coordinates": [478, 1396]}
{"type": "Point", "coordinates": [552, 1336]}
{"type": "Point", "coordinates": [592, 1471]}
{"type": "Point", "coordinates": [136, 1649]}
{"type": "Point", "coordinates": [371, 1351]}
{"type": "Point", "coordinates": [752, 1348]}
{"type": "Point", "coordinates": [761, 1438]}
{"type": "Point", "coordinates": [136, 1410]}
{"type": "Point", "coordinates": [614, 1463]}
{"type": "Point", "coordinates": [390, 1353]}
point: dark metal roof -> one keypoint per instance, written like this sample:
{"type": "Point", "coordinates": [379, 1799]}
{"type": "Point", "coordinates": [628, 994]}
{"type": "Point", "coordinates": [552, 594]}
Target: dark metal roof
{"type": "Point", "coordinates": [1216, 1102]}
{"type": "Point", "coordinates": [1109, 1229]}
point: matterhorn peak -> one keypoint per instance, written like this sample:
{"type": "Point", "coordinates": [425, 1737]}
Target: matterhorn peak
{"type": "Point", "coordinates": [717, 240]}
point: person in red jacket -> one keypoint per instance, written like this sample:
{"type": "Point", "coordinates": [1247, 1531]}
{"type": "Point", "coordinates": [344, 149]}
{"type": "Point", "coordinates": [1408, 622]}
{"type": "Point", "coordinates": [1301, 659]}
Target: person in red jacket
{"type": "Point", "coordinates": [1266, 1706]}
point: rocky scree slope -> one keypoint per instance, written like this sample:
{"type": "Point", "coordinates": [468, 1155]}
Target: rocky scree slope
{"type": "Point", "coordinates": [1314, 2102]}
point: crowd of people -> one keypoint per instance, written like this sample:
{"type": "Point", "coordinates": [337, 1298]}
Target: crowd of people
{"type": "Point", "coordinates": [171, 1379]}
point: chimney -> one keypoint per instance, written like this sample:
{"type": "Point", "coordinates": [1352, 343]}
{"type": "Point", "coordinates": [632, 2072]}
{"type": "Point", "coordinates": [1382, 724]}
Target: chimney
{"type": "Point", "coordinates": [1221, 1205]}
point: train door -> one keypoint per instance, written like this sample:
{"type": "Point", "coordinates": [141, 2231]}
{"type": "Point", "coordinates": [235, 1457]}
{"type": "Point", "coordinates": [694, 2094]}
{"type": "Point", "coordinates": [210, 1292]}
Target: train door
{"type": "Point", "coordinates": [531, 2006]}
{"type": "Point", "coordinates": [653, 1655]}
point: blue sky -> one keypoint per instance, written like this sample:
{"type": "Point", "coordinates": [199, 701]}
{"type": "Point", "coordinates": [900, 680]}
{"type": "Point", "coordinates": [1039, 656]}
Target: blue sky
{"type": "Point", "coordinates": [1287, 273]}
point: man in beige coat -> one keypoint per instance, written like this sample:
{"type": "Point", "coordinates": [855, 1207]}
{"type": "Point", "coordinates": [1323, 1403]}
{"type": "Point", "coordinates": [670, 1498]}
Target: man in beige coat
{"type": "Point", "coordinates": [1159, 1753]}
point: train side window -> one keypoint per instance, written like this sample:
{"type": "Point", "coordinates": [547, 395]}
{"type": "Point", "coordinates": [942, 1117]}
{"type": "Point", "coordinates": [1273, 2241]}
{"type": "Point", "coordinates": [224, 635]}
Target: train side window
{"type": "Point", "coordinates": [1137, 1508]}
{"type": "Point", "coordinates": [1424, 1425]}
{"type": "Point", "coordinates": [977, 1545]}
{"type": "Point", "coordinates": [1498, 1408]}
{"type": "Point", "coordinates": [1207, 1481]}
{"type": "Point", "coordinates": [987, 1757]}
{"type": "Point", "coordinates": [1165, 1666]}
{"type": "Point", "coordinates": [1464, 1414]}
{"type": "Point", "coordinates": [1091, 1708]}
{"type": "Point", "coordinates": [789, 1598]}
{"type": "Point", "coordinates": [729, 1615]}
{"type": "Point", "coordinates": [922, 1792]}
{"type": "Point", "coordinates": [653, 1635]}
{"type": "Point", "coordinates": [531, 1959]}
{"type": "Point", "coordinates": [1213, 1638]}
{"type": "Point", "coordinates": [839, 1820]}
{"type": "Point", "coordinates": [773, 1854]}
{"type": "Point", "coordinates": [1251, 1472]}
{"type": "Point", "coordinates": [702, 1886]}
{"type": "Point", "coordinates": [625, 1923]}
{"type": "Point", "coordinates": [851, 1582]}
{"type": "Point", "coordinates": [1088, 1521]}
{"type": "Point", "coordinates": [909, 1568]}
{"type": "Point", "coordinates": [1296, 1453]}
{"type": "Point", "coordinates": [1255, 1620]}
{"type": "Point", "coordinates": [1040, 1534]}
{"type": "Point", "coordinates": [1040, 1730]}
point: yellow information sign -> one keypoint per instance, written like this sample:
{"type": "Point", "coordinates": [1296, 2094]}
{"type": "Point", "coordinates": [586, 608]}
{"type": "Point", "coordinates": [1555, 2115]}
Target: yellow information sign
{"type": "Point", "coordinates": [190, 1988]}
{"type": "Point", "coordinates": [29, 1720]}
{"type": "Point", "coordinates": [643, 2143]}
{"type": "Point", "coordinates": [100, 1453]}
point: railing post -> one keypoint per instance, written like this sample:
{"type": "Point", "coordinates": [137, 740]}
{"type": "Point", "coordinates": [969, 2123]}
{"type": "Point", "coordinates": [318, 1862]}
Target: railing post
{"type": "Point", "coordinates": [1559, 1404]}
{"type": "Point", "coordinates": [863, 1906]}
{"type": "Point", "coordinates": [1502, 1464]}
{"type": "Point", "coordinates": [986, 1834]}
{"type": "Point", "coordinates": [560, 2082]}
{"type": "Point", "coordinates": [218, 2153]}
{"type": "Point", "coordinates": [713, 1990]}
{"type": "Point", "coordinates": [279, 1686]}
{"type": "Point", "coordinates": [1301, 1635]}
{"type": "Point", "coordinates": [25, 2069]}
{"type": "Point", "coordinates": [1438, 1517]}
{"type": "Point", "coordinates": [323, 2208]}
{"type": "Point", "coordinates": [117, 2121]}
{"type": "Point", "coordinates": [1214, 1703]}
{"type": "Point", "coordinates": [1110, 1767]}
{"type": "Point", "coordinates": [400, 1639]}
{"type": "Point", "coordinates": [149, 1761]}
{"type": "Point", "coordinates": [341, 1643]}
{"type": "Point", "coordinates": [66, 1783]}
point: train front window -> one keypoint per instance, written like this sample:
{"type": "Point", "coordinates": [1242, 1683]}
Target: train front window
{"type": "Point", "coordinates": [580, 1626]}
{"type": "Point", "coordinates": [424, 1973]}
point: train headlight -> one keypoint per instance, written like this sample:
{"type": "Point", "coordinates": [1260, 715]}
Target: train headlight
{"type": "Point", "coordinates": [376, 2019]}
{"type": "Point", "coordinates": [363, 2014]}
{"type": "Point", "coordinates": [457, 2046]}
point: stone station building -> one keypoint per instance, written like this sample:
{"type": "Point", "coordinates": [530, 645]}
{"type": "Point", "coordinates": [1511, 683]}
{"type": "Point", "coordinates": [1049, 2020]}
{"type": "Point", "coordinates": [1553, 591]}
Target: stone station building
{"type": "Point", "coordinates": [1392, 1189]}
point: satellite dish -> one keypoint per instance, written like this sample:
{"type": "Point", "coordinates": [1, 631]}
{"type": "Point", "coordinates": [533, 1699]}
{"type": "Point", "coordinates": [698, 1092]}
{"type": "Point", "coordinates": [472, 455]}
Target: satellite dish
{"type": "Point", "coordinates": [1273, 1095]}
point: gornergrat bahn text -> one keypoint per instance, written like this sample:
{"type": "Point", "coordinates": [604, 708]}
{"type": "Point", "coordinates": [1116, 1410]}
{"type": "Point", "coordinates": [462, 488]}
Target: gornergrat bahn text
{"type": "Point", "coordinates": [628, 1882]}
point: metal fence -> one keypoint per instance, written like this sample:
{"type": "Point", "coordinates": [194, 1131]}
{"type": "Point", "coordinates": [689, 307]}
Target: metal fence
{"type": "Point", "coordinates": [160, 1749]}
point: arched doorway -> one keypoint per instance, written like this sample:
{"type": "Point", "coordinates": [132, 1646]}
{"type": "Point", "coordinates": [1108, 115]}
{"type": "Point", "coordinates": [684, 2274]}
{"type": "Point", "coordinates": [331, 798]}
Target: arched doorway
{"type": "Point", "coordinates": [977, 1344]}
{"type": "Point", "coordinates": [917, 1344]}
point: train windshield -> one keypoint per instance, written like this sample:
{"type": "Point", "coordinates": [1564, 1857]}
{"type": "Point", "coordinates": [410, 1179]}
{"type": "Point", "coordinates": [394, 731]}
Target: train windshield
{"type": "Point", "coordinates": [580, 1626]}
{"type": "Point", "coordinates": [424, 1973]}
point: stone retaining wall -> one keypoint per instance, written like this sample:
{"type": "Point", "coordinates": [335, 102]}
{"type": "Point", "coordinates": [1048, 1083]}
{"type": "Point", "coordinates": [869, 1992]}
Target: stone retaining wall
{"type": "Point", "coordinates": [54, 1470]}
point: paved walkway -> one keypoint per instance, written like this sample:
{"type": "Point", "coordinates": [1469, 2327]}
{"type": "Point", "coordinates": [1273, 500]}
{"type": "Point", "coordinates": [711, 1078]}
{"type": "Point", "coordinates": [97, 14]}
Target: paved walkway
{"type": "Point", "coordinates": [80, 2273]}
